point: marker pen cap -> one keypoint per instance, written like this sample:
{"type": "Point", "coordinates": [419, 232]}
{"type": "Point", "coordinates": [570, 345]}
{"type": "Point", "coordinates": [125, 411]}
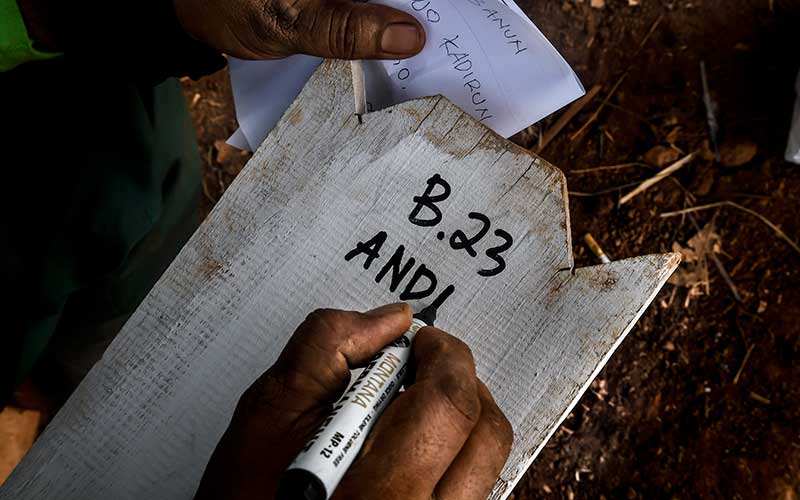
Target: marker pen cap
{"type": "Point", "coordinates": [299, 484]}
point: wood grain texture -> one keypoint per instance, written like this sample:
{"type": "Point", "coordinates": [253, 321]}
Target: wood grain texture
{"type": "Point", "coordinates": [146, 419]}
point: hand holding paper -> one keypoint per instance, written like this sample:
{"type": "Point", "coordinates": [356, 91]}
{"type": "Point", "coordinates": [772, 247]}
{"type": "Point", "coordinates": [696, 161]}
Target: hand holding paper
{"type": "Point", "coordinates": [271, 29]}
{"type": "Point", "coordinates": [485, 56]}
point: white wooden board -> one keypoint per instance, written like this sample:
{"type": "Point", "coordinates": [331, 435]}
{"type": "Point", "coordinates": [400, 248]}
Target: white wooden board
{"type": "Point", "coordinates": [146, 419]}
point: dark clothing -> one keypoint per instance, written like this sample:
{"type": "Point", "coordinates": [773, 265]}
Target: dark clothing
{"type": "Point", "coordinates": [101, 183]}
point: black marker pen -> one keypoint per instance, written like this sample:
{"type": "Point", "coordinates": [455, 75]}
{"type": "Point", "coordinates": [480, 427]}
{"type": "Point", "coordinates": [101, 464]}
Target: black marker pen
{"type": "Point", "coordinates": [318, 468]}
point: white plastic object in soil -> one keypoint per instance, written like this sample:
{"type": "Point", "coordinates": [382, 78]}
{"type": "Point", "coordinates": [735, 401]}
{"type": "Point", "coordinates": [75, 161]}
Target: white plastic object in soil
{"type": "Point", "coordinates": [793, 148]}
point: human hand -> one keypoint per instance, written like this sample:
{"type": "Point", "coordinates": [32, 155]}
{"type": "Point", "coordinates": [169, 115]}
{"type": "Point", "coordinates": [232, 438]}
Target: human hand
{"type": "Point", "coordinates": [270, 29]}
{"type": "Point", "coordinates": [443, 436]}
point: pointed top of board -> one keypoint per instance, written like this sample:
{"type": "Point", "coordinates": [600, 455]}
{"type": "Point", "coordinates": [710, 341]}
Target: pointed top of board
{"type": "Point", "coordinates": [421, 203]}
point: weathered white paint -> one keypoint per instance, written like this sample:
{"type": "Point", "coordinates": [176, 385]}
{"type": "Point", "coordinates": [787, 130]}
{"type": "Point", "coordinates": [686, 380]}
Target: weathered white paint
{"type": "Point", "coordinates": [145, 421]}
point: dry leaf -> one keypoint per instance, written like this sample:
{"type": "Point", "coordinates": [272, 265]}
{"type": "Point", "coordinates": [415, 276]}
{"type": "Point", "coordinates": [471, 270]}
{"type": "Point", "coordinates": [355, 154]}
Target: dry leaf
{"type": "Point", "coordinates": [661, 156]}
{"type": "Point", "coordinates": [224, 151]}
{"type": "Point", "coordinates": [693, 272]}
{"type": "Point", "coordinates": [736, 154]}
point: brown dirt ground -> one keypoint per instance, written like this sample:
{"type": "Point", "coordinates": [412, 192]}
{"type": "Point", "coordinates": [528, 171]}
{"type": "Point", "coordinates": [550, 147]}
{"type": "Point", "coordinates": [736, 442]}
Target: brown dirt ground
{"type": "Point", "coordinates": [665, 418]}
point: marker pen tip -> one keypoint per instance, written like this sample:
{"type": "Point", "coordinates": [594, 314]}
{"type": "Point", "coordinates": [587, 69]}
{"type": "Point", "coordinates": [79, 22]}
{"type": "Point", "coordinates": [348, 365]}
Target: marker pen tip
{"type": "Point", "coordinates": [427, 314]}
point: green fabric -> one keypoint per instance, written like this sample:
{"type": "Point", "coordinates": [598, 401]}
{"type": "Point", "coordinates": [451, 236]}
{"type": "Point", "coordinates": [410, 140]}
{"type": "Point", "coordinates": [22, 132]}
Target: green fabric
{"type": "Point", "coordinates": [15, 45]}
{"type": "Point", "coordinates": [100, 208]}
{"type": "Point", "coordinates": [146, 223]}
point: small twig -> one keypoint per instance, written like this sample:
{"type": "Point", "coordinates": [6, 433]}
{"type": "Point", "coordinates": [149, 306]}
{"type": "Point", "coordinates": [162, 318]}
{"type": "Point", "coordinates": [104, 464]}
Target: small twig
{"type": "Point", "coordinates": [566, 117]}
{"type": "Point", "coordinates": [610, 167]}
{"type": "Point", "coordinates": [596, 249]}
{"type": "Point", "coordinates": [221, 183]}
{"type": "Point", "coordinates": [649, 34]}
{"type": "Point", "coordinates": [359, 88]}
{"type": "Point", "coordinates": [752, 196]}
{"type": "Point", "coordinates": [744, 362]}
{"type": "Point", "coordinates": [601, 192]}
{"type": "Point", "coordinates": [599, 108]}
{"type": "Point", "coordinates": [759, 398]}
{"type": "Point", "coordinates": [713, 125]}
{"type": "Point", "coordinates": [653, 130]}
{"type": "Point", "coordinates": [728, 203]}
{"type": "Point", "coordinates": [657, 178]}
{"type": "Point", "coordinates": [597, 112]}
{"type": "Point", "coordinates": [726, 277]}
{"type": "Point", "coordinates": [720, 267]}
{"type": "Point", "coordinates": [207, 193]}
{"type": "Point", "coordinates": [702, 252]}
{"type": "Point", "coordinates": [749, 314]}
{"type": "Point", "coordinates": [676, 148]}
{"type": "Point", "coordinates": [690, 197]}
{"type": "Point", "coordinates": [671, 297]}
{"type": "Point", "coordinates": [539, 133]}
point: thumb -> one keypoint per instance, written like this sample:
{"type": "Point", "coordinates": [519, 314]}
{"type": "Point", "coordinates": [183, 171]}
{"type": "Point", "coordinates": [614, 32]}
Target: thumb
{"type": "Point", "coordinates": [342, 29]}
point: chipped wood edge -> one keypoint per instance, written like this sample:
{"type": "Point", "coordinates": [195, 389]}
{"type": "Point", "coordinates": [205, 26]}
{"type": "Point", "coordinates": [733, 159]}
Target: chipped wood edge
{"type": "Point", "coordinates": [503, 489]}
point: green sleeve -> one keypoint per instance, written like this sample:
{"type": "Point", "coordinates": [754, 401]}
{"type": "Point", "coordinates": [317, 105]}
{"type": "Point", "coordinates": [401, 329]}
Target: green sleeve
{"type": "Point", "coordinates": [15, 45]}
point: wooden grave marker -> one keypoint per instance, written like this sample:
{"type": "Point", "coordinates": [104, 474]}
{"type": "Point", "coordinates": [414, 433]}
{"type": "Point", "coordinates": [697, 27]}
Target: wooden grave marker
{"type": "Point", "coordinates": [282, 242]}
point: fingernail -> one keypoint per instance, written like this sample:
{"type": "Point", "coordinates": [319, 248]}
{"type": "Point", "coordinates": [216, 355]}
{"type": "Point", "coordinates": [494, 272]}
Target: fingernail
{"type": "Point", "coordinates": [387, 309]}
{"type": "Point", "coordinates": [400, 38]}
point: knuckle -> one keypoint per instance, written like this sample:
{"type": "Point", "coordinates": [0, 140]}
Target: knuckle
{"type": "Point", "coordinates": [319, 313]}
{"type": "Point", "coordinates": [285, 24]}
{"type": "Point", "coordinates": [322, 330]}
{"type": "Point", "coordinates": [287, 11]}
{"type": "Point", "coordinates": [458, 392]}
{"type": "Point", "coordinates": [292, 380]}
{"type": "Point", "coordinates": [445, 345]}
{"type": "Point", "coordinates": [270, 387]}
{"type": "Point", "coordinates": [503, 432]}
{"type": "Point", "coordinates": [320, 320]}
{"type": "Point", "coordinates": [495, 421]}
{"type": "Point", "coordinates": [344, 32]}
{"type": "Point", "coordinates": [455, 380]}
{"type": "Point", "coordinates": [451, 350]}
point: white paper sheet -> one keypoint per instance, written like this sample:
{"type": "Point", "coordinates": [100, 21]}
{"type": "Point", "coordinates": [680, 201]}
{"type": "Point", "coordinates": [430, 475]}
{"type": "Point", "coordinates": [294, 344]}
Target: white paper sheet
{"type": "Point", "coordinates": [262, 90]}
{"type": "Point", "coordinates": [485, 56]}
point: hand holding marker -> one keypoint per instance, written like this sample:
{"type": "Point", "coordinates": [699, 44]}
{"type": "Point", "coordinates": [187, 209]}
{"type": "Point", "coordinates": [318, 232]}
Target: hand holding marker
{"type": "Point", "coordinates": [445, 436]}
{"type": "Point", "coordinates": [324, 460]}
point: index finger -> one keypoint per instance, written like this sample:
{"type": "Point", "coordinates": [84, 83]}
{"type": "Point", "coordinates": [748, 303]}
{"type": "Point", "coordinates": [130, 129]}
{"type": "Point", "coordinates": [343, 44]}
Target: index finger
{"type": "Point", "coordinates": [330, 342]}
{"type": "Point", "coordinates": [422, 431]}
